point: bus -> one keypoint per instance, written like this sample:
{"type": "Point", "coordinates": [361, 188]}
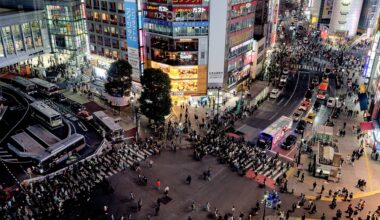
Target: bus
{"type": "Point", "coordinates": [46, 114]}
{"type": "Point", "coordinates": [25, 85]}
{"type": "Point", "coordinates": [43, 158]}
{"type": "Point", "coordinates": [322, 90]}
{"type": "Point", "coordinates": [112, 130]}
{"type": "Point", "coordinates": [273, 134]}
{"type": "Point", "coordinates": [45, 87]}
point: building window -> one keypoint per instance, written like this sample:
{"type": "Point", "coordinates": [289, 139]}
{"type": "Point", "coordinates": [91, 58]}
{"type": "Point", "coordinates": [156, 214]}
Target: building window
{"type": "Point", "coordinates": [96, 4]}
{"type": "Point", "coordinates": [112, 6]}
{"type": "Point", "coordinates": [107, 42]}
{"type": "Point", "coordinates": [104, 5]}
{"type": "Point", "coordinates": [36, 33]}
{"type": "Point", "coordinates": [18, 38]}
{"type": "Point", "coordinates": [120, 7]}
{"type": "Point", "coordinates": [113, 19]}
{"type": "Point", "coordinates": [104, 17]}
{"type": "Point", "coordinates": [2, 53]}
{"type": "Point", "coordinates": [88, 4]}
{"type": "Point", "coordinates": [7, 35]}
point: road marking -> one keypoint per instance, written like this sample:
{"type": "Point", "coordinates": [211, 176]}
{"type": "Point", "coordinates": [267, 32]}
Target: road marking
{"type": "Point", "coordinates": [273, 116]}
{"type": "Point", "coordinates": [280, 101]}
{"type": "Point", "coordinates": [240, 127]}
{"type": "Point", "coordinates": [369, 171]}
{"type": "Point", "coordinates": [294, 91]}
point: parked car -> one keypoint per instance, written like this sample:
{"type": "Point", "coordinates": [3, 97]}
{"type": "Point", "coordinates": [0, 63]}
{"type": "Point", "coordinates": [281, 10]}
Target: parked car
{"type": "Point", "coordinates": [289, 142]}
{"type": "Point", "coordinates": [59, 97]}
{"type": "Point", "coordinates": [274, 94]}
{"type": "Point", "coordinates": [282, 84]}
{"type": "Point", "coordinates": [315, 81]}
{"type": "Point", "coordinates": [301, 126]}
{"type": "Point", "coordinates": [297, 115]}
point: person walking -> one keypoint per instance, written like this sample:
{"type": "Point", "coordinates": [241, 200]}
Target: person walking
{"type": "Point", "coordinates": [302, 177]}
{"type": "Point", "coordinates": [158, 184]}
{"type": "Point", "coordinates": [139, 205]}
{"type": "Point", "coordinates": [207, 207]}
{"type": "Point", "coordinates": [166, 191]}
{"type": "Point", "coordinates": [314, 185]}
{"type": "Point", "coordinates": [188, 179]}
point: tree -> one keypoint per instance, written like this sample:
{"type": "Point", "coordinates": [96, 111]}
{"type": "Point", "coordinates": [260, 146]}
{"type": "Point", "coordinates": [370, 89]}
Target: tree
{"type": "Point", "coordinates": [119, 79]}
{"type": "Point", "coordinates": [155, 100]}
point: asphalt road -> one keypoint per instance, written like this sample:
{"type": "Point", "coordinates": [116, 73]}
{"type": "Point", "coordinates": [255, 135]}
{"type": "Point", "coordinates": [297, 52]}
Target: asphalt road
{"type": "Point", "coordinates": [271, 110]}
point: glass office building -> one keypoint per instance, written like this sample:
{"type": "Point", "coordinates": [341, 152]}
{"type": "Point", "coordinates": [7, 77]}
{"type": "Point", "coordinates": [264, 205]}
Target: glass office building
{"type": "Point", "coordinates": [23, 35]}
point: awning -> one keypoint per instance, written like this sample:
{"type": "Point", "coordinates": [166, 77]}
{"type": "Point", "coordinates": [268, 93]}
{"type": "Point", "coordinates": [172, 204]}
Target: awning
{"type": "Point", "coordinates": [366, 126]}
{"type": "Point", "coordinates": [363, 101]}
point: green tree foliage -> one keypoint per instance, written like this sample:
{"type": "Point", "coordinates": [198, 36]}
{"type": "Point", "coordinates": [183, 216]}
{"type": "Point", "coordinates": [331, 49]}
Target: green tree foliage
{"type": "Point", "coordinates": [119, 79]}
{"type": "Point", "coordinates": [155, 101]}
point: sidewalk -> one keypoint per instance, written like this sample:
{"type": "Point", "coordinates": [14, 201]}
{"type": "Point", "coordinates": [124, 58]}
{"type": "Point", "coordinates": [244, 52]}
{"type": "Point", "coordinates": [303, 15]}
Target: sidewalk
{"type": "Point", "coordinates": [362, 168]}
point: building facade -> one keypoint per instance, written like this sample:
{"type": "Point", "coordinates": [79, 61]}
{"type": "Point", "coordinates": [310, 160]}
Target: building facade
{"type": "Point", "coordinates": [369, 17]}
{"type": "Point", "coordinates": [345, 17]}
{"type": "Point", "coordinates": [176, 42]}
{"type": "Point", "coordinates": [231, 42]}
{"type": "Point", "coordinates": [67, 29]}
{"type": "Point", "coordinates": [23, 35]}
{"type": "Point", "coordinates": [106, 32]}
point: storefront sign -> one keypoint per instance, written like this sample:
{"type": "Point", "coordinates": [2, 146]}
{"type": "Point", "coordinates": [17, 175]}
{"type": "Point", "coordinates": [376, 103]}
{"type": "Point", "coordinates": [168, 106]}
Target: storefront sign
{"type": "Point", "coordinates": [190, 2]}
{"type": "Point", "coordinates": [131, 23]}
{"type": "Point", "coordinates": [158, 1]}
{"type": "Point", "coordinates": [191, 24]}
{"type": "Point", "coordinates": [190, 9]}
{"type": "Point", "coordinates": [243, 5]}
{"type": "Point", "coordinates": [185, 55]}
{"type": "Point", "coordinates": [132, 36]}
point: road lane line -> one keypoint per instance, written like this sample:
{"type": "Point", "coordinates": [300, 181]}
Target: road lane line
{"type": "Point", "coordinates": [273, 116]}
{"type": "Point", "coordinates": [294, 91]}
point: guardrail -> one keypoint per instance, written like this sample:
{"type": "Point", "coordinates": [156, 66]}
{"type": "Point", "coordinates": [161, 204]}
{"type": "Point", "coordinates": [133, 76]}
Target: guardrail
{"type": "Point", "coordinates": [98, 152]}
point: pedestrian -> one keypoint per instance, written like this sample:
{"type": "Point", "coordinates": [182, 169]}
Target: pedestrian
{"type": "Point", "coordinates": [314, 185]}
{"type": "Point", "coordinates": [166, 191]}
{"type": "Point", "coordinates": [156, 210]}
{"type": "Point", "coordinates": [303, 216]}
{"type": "Point", "coordinates": [207, 207]}
{"type": "Point", "coordinates": [323, 217]}
{"type": "Point", "coordinates": [131, 196]}
{"type": "Point", "coordinates": [233, 209]}
{"type": "Point", "coordinates": [139, 205]}
{"type": "Point", "coordinates": [158, 184]}
{"type": "Point", "coordinates": [193, 206]}
{"type": "Point", "coordinates": [298, 173]}
{"type": "Point", "coordinates": [188, 179]}
{"type": "Point", "coordinates": [150, 163]}
{"type": "Point", "coordinates": [302, 177]}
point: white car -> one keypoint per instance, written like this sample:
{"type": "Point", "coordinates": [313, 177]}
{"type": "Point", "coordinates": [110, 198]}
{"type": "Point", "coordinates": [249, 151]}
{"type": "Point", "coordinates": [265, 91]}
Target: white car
{"type": "Point", "coordinates": [274, 94]}
{"type": "Point", "coordinates": [305, 40]}
{"type": "Point", "coordinates": [285, 70]}
{"type": "Point", "coordinates": [297, 115]}
{"type": "Point", "coordinates": [331, 102]}
{"type": "Point", "coordinates": [284, 78]}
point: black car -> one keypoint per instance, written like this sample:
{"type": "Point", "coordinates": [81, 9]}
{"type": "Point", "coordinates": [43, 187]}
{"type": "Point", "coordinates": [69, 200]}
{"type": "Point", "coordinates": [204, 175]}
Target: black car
{"type": "Point", "coordinates": [301, 126]}
{"type": "Point", "coordinates": [59, 97]}
{"type": "Point", "coordinates": [289, 142]}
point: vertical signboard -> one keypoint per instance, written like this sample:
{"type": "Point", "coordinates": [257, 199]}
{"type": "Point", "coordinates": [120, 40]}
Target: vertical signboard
{"type": "Point", "coordinates": [131, 24]}
{"type": "Point", "coordinates": [217, 41]}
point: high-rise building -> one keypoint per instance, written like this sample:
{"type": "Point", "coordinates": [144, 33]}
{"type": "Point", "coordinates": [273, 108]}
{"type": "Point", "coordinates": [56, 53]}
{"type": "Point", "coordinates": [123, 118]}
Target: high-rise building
{"type": "Point", "coordinates": [23, 35]}
{"type": "Point", "coordinates": [111, 25]}
{"type": "Point", "coordinates": [177, 43]}
{"type": "Point", "coordinates": [345, 17]}
{"type": "Point", "coordinates": [231, 42]}
{"type": "Point", "coordinates": [67, 29]}
{"type": "Point", "coordinates": [369, 17]}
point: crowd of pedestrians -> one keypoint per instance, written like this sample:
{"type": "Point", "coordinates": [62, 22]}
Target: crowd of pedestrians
{"type": "Point", "coordinates": [57, 195]}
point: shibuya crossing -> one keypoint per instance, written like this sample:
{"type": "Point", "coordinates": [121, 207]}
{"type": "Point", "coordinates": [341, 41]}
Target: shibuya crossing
{"type": "Point", "coordinates": [189, 109]}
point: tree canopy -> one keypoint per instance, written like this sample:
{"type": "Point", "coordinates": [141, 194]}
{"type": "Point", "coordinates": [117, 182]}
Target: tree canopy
{"type": "Point", "coordinates": [119, 78]}
{"type": "Point", "coordinates": [155, 100]}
